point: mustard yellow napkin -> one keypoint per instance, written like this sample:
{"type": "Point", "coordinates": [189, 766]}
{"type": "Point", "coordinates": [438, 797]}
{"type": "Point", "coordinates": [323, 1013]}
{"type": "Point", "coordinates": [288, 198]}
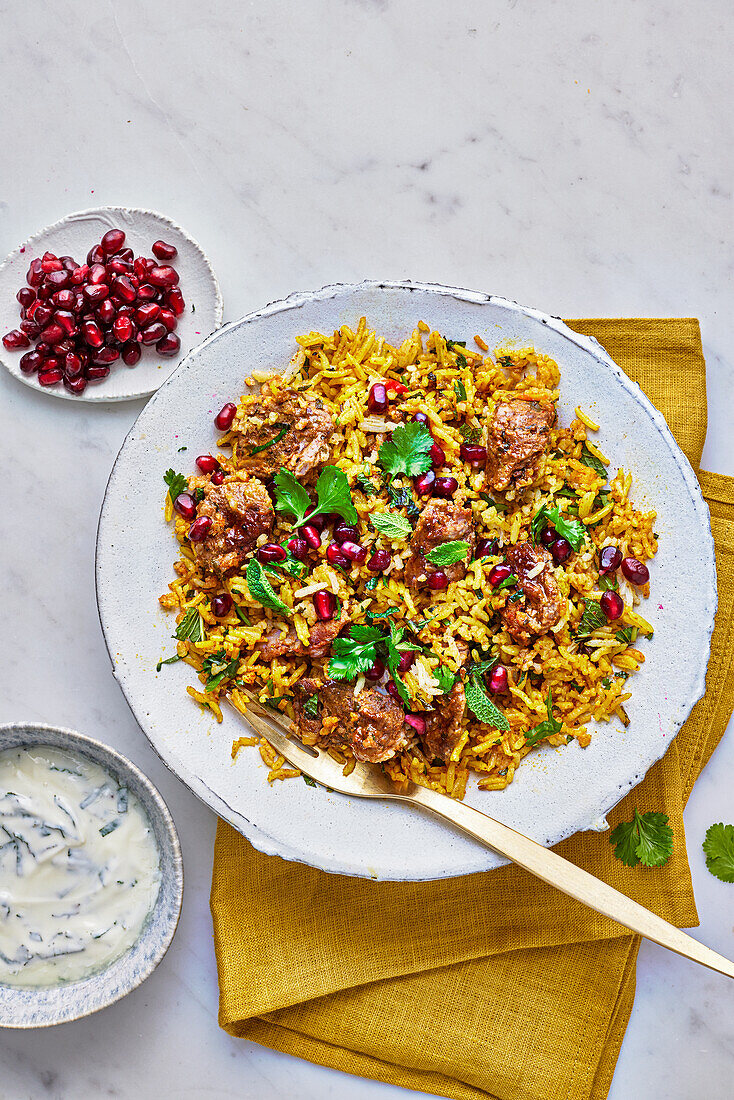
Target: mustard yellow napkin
{"type": "Point", "coordinates": [490, 985]}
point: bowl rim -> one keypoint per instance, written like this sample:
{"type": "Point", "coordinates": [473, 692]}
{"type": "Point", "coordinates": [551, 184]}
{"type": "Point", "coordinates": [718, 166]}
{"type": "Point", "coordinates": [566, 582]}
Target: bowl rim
{"type": "Point", "coordinates": [62, 737]}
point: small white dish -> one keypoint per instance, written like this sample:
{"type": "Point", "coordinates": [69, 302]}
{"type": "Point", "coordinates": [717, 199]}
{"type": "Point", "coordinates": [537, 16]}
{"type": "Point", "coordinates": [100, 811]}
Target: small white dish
{"type": "Point", "coordinates": [73, 236]}
{"type": "Point", "coordinates": [42, 1006]}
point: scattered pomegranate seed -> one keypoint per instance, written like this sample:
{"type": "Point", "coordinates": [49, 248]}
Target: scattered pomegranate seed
{"type": "Point", "coordinates": [30, 328]}
{"type": "Point", "coordinates": [392, 689]}
{"type": "Point", "coordinates": [106, 355]}
{"type": "Point", "coordinates": [73, 365]}
{"type": "Point", "coordinates": [498, 679]}
{"type": "Point", "coordinates": [30, 362]}
{"type": "Point", "coordinates": [151, 334]}
{"type": "Point", "coordinates": [34, 273]}
{"type": "Point", "coordinates": [97, 274]}
{"type": "Point", "coordinates": [147, 313]}
{"type": "Point", "coordinates": [123, 329]}
{"type": "Point", "coordinates": [26, 296]}
{"type": "Point", "coordinates": [335, 556]}
{"type": "Point", "coordinates": [52, 333]}
{"type": "Point", "coordinates": [43, 315]}
{"type": "Point", "coordinates": [163, 276]}
{"type": "Point", "coordinates": [174, 299]}
{"type": "Point", "coordinates": [445, 487]}
{"type": "Point", "coordinates": [199, 529]}
{"type": "Point", "coordinates": [375, 671]}
{"type": "Point", "coordinates": [168, 345]}
{"type": "Point", "coordinates": [51, 264]}
{"type": "Point", "coordinates": [486, 548]}
{"type": "Point", "coordinates": [416, 722]}
{"type": "Point", "coordinates": [636, 572]}
{"type": "Point", "coordinates": [499, 574]}
{"type": "Point", "coordinates": [218, 477]}
{"type": "Point", "coordinates": [169, 319]}
{"type": "Point", "coordinates": [95, 255]}
{"type": "Point", "coordinates": [75, 385]}
{"type": "Point", "coordinates": [473, 454]}
{"type": "Point", "coordinates": [96, 292]}
{"type": "Point", "coordinates": [438, 455]}
{"type": "Point", "coordinates": [406, 660]}
{"type": "Point", "coordinates": [611, 605]}
{"type": "Point", "coordinates": [344, 531]}
{"type": "Point", "coordinates": [610, 559]}
{"type": "Point", "coordinates": [271, 552]}
{"type": "Point", "coordinates": [377, 398]}
{"type": "Point", "coordinates": [67, 321]}
{"type": "Point", "coordinates": [207, 464]}
{"type": "Point", "coordinates": [560, 550]}
{"type": "Point", "coordinates": [548, 535]}
{"type": "Point", "coordinates": [438, 580]}
{"type": "Point", "coordinates": [185, 505]}
{"type": "Point", "coordinates": [65, 299]}
{"type": "Point", "coordinates": [112, 241]}
{"type": "Point", "coordinates": [424, 483]}
{"type": "Point", "coordinates": [224, 418]}
{"type": "Point", "coordinates": [164, 251]}
{"type": "Point", "coordinates": [147, 293]}
{"type": "Point", "coordinates": [354, 551]}
{"type": "Point", "coordinates": [96, 373]}
{"type": "Point", "coordinates": [131, 355]}
{"type": "Point", "coordinates": [15, 339]}
{"type": "Point", "coordinates": [324, 605]}
{"type": "Point", "coordinates": [312, 536]}
{"type": "Point", "coordinates": [222, 605]}
{"type": "Point", "coordinates": [92, 334]}
{"type": "Point", "coordinates": [298, 548]}
{"type": "Point", "coordinates": [379, 561]}
{"type": "Point", "coordinates": [50, 377]}
{"type": "Point", "coordinates": [57, 280]}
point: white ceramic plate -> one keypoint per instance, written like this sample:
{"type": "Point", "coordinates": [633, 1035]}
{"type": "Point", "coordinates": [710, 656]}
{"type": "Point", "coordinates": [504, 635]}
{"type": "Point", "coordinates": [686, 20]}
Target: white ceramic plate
{"type": "Point", "coordinates": [555, 792]}
{"type": "Point", "coordinates": [73, 236]}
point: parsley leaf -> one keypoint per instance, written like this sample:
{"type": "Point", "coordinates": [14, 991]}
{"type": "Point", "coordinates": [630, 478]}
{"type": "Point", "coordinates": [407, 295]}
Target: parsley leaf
{"type": "Point", "coordinates": [592, 618]}
{"type": "Point", "coordinates": [395, 527]}
{"type": "Point", "coordinates": [480, 703]}
{"type": "Point", "coordinates": [290, 496]}
{"type": "Point", "coordinates": [408, 450]}
{"type": "Point", "coordinates": [191, 626]}
{"type": "Point", "coordinates": [593, 462]}
{"type": "Point", "coordinates": [333, 493]}
{"type": "Point", "coordinates": [647, 839]}
{"type": "Point", "coordinates": [260, 588]}
{"type": "Point", "coordinates": [355, 653]}
{"type": "Point", "coordinates": [271, 443]}
{"type": "Point", "coordinates": [544, 729]}
{"type": "Point", "coordinates": [448, 553]}
{"type": "Point", "coordinates": [572, 530]}
{"type": "Point", "coordinates": [719, 849]}
{"type": "Point", "coordinates": [176, 483]}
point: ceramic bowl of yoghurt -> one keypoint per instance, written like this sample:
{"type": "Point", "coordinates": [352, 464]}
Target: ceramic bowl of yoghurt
{"type": "Point", "coordinates": [91, 876]}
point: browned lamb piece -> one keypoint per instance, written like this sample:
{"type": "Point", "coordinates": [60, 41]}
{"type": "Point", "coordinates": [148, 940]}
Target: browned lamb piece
{"type": "Point", "coordinates": [303, 449]}
{"type": "Point", "coordinates": [241, 511]}
{"type": "Point", "coordinates": [440, 521]}
{"type": "Point", "coordinates": [284, 642]}
{"type": "Point", "coordinates": [518, 436]}
{"type": "Point", "coordinates": [443, 725]}
{"type": "Point", "coordinates": [541, 607]}
{"type": "Point", "coordinates": [371, 724]}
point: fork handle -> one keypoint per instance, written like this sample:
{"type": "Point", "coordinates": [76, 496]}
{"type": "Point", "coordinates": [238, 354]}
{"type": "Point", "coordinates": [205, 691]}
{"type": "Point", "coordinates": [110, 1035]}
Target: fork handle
{"type": "Point", "coordinates": [569, 878]}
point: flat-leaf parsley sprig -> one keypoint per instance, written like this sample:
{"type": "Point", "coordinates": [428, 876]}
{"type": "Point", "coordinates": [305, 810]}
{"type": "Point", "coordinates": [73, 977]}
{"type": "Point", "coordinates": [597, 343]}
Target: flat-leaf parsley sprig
{"type": "Point", "coordinates": [332, 493]}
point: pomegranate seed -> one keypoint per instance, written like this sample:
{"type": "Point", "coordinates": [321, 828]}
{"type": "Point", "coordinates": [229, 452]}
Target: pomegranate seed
{"type": "Point", "coordinates": [320, 521]}
{"type": "Point", "coordinates": [67, 321]}
{"type": "Point", "coordinates": [199, 529]}
{"type": "Point", "coordinates": [118, 267]}
{"type": "Point", "coordinates": [610, 559]}
{"type": "Point", "coordinates": [611, 605]}
{"type": "Point", "coordinates": [416, 722]}
{"type": "Point", "coordinates": [43, 348]}
{"type": "Point", "coordinates": [26, 296]}
{"type": "Point", "coordinates": [72, 365]}
{"type": "Point", "coordinates": [164, 251]}
{"type": "Point", "coordinates": [96, 373]}
{"type": "Point", "coordinates": [57, 280]}
{"type": "Point", "coordinates": [50, 377]}
{"type": "Point", "coordinates": [224, 418]}
{"type": "Point", "coordinates": [69, 263]}
{"type": "Point", "coordinates": [548, 535]}
{"type": "Point", "coordinates": [560, 550]}
{"type": "Point", "coordinates": [377, 398]}
{"type": "Point", "coordinates": [126, 254]}
{"type": "Point", "coordinates": [379, 561]}
{"type": "Point", "coordinates": [312, 536]}
{"type": "Point", "coordinates": [169, 319]}
{"type": "Point", "coordinates": [486, 548]}
{"type": "Point", "coordinates": [147, 293]}
{"type": "Point", "coordinates": [34, 273]}
{"type": "Point", "coordinates": [185, 505]}
{"type": "Point", "coordinates": [298, 548]}
{"type": "Point", "coordinates": [473, 454]}
{"type": "Point", "coordinates": [152, 333]}
{"type": "Point", "coordinates": [63, 347]}
{"type": "Point", "coordinates": [92, 334]}
{"type": "Point", "coordinates": [325, 605]}
{"type": "Point", "coordinates": [131, 355]}
{"type": "Point", "coordinates": [175, 300]}
{"type": "Point", "coordinates": [395, 387]}
{"type": "Point", "coordinates": [207, 464]}
{"type": "Point", "coordinates": [445, 487]}
{"type": "Point", "coordinates": [392, 689]}
{"type": "Point", "coordinates": [498, 679]}
{"type": "Point", "coordinates": [53, 333]}
{"type": "Point", "coordinates": [636, 572]}
{"type": "Point", "coordinates": [420, 418]}
{"type": "Point", "coordinates": [96, 292]}
{"type": "Point", "coordinates": [75, 385]}
{"type": "Point", "coordinates": [354, 551]}
{"type": "Point", "coordinates": [33, 309]}
{"type": "Point", "coordinates": [375, 671]}
{"type": "Point", "coordinates": [79, 275]}
{"type": "Point", "coordinates": [498, 574]}
{"type": "Point", "coordinates": [344, 531]}
{"type": "Point", "coordinates": [15, 339]}
{"type": "Point", "coordinates": [140, 267]}
{"type": "Point", "coordinates": [163, 276]}
{"type": "Point", "coordinates": [222, 605]}
{"type": "Point", "coordinates": [406, 660]}
{"type": "Point", "coordinates": [168, 345]}
{"type": "Point", "coordinates": [335, 556]}
{"type": "Point", "coordinates": [124, 289]}
{"type": "Point", "coordinates": [425, 483]}
{"type": "Point", "coordinates": [218, 477]}
{"type": "Point", "coordinates": [30, 328]}
{"type": "Point", "coordinates": [51, 363]}
{"type": "Point", "coordinates": [271, 552]}
{"type": "Point", "coordinates": [106, 311]}
{"type": "Point", "coordinates": [30, 362]}
{"type": "Point", "coordinates": [123, 329]}
{"type": "Point", "coordinates": [95, 255]}
{"type": "Point", "coordinates": [43, 315]}
{"type": "Point", "coordinates": [438, 580]}
{"type": "Point", "coordinates": [65, 299]}
{"type": "Point", "coordinates": [97, 274]}
{"type": "Point", "coordinates": [105, 356]}
{"type": "Point", "coordinates": [147, 314]}
{"type": "Point", "coordinates": [438, 455]}
{"type": "Point", "coordinates": [48, 266]}
{"type": "Point", "coordinates": [112, 241]}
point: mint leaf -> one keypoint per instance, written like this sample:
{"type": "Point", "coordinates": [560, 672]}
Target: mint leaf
{"type": "Point", "coordinates": [593, 462]}
{"type": "Point", "coordinates": [592, 618]}
{"type": "Point", "coordinates": [176, 483]}
{"type": "Point", "coordinates": [719, 849]}
{"type": "Point", "coordinates": [628, 634]}
{"type": "Point", "coordinates": [168, 661]}
{"type": "Point", "coordinates": [445, 678]}
{"type": "Point", "coordinates": [460, 388]}
{"type": "Point", "coordinates": [508, 582]}
{"type": "Point", "coordinates": [311, 706]}
{"type": "Point", "coordinates": [448, 553]}
{"type": "Point", "coordinates": [260, 588]}
{"type": "Point", "coordinates": [191, 626]}
{"type": "Point", "coordinates": [647, 839]}
{"type": "Point", "coordinates": [395, 527]}
{"type": "Point", "coordinates": [290, 496]}
{"type": "Point", "coordinates": [408, 450]}
{"type": "Point", "coordinates": [480, 703]}
{"type": "Point", "coordinates": [544, 729]}
{"type": "Point", "coordinates": [218, 668]}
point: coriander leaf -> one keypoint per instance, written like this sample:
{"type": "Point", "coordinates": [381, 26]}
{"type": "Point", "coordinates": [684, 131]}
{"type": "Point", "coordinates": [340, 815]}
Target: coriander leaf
{"type": "Point", "coordinates": [168, 661]}
{"type": "Point", "coordinates": [592, 618]}
{"type": "Point", "coordinates": [332, 490]}
{"type": "Point", "coordinates": [176, 483]}
{"type": "Point", "coordinates": [362, 633]}
{"type": "Point", "coordinates": [311, 706]}
{"type": "Point", "coordinates": [719, 849]}
{"type": "Point", "coordinates": [460, 389]}
{"type": "Point", "coordinates": [593, 462]}
{"type": "Point", "coordinates": [290, 496]}
{"type": "Point", "coordinates": [648, 839]}
{"type": "Point", "coordinates": [395, 527]}
{"type": "Point", "coordinates": [355, 653]}
{"type": "Point", "coordinates": [445, 678]}
{"type": "Point", "coordinates": [508, 582]}
{"type": "Point", "coordinates": [271, 443]}
{"type": "Point", "coordinates": [402, 689]}
{"type": "Point", "coordinates": [572, 530]}
{"type": "Point", "coordinates": [260, 588]}
{"type": "Point", "coordinates": [544, 729]}
{"type": "Point", "coordinates": [448, 553]}
{"type": "Point", "coordinates": [191, 626]}
{"type": "Point", "coordinates": [480, 703]}
{"type": "Point", "coordinates": [408, 450]}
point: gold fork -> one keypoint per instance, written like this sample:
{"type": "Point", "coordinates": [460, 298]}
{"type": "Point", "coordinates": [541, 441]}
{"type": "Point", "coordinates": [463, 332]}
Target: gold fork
{"type": "Point", "coordinates": [368, 781]}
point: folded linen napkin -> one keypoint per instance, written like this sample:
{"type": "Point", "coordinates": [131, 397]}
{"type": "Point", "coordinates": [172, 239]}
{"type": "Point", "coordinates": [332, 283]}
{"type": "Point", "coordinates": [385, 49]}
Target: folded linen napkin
{"type": "Point", "coordinates": [492, 985]}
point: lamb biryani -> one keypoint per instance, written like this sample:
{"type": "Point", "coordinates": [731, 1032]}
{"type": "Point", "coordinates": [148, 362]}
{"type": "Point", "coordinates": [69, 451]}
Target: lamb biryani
{"type": "Point", "coordinates": [403, 551]}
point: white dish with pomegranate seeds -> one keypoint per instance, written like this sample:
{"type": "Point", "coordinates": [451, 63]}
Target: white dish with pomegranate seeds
{"type": "Point", "coordinates": [555, 793]}
{"type": "Point", "coordinates": [74, 236]}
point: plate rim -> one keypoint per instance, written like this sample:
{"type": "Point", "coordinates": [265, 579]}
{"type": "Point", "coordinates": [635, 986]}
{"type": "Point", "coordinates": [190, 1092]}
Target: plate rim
{"type": "Point", "coordinates": [97, 395]}
{"type": "Point", "coordinates": [270, 845]}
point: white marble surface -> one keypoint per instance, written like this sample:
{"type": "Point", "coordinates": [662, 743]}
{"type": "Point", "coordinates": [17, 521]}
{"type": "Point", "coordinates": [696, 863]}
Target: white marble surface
{"type": "Point", "coordinates": [575, 157]}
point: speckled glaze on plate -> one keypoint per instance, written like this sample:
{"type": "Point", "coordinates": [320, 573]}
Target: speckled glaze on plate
{"type": "Point", "coordinates": [73, 236]}
{"type": "Point", "coordinates": [41, 1007]}
{"type": "Point", "coordinates": [555, 793]}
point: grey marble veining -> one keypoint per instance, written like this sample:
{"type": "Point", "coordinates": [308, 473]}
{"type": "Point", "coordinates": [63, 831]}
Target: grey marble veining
{"type": "Point", "coordinates": [574, 157]}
